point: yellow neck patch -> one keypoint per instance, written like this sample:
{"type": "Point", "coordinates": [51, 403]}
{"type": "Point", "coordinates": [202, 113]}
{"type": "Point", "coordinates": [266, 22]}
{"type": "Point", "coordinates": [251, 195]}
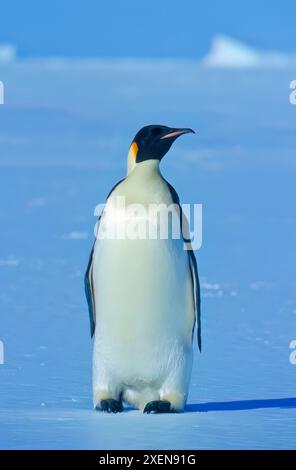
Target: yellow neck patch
{"type": "Point", "coordinates": [134, 150]}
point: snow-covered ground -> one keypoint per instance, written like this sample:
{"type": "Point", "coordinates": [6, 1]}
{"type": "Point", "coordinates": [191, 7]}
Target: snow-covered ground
{"type": "Point", "coordinates": [64, 133]}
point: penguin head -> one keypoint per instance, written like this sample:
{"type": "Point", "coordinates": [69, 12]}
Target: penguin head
{"type": "Point", "coordinates": [153, 142]}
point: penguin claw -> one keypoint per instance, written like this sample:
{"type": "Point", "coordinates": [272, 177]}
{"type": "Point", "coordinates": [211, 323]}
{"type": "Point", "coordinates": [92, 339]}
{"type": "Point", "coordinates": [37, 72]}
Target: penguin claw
{"type": "Point", "coordinates": [110, 406]}
{"type": "Point", "coordinates": [158, 406]}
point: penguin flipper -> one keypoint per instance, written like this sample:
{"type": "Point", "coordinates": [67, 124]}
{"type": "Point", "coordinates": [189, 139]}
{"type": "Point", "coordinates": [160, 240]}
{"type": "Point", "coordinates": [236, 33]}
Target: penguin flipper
{"type": "Point", "coordinates": [192, 261]}
{"type": "Point", "coordinates": [196, 289]}
{"type": "Point", "coordinates": [88, 286]}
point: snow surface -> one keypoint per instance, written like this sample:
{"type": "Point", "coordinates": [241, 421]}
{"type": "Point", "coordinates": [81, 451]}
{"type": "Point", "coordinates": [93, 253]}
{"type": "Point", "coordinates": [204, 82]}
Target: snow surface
{"type": "Point", "coordinates": [64, 134]}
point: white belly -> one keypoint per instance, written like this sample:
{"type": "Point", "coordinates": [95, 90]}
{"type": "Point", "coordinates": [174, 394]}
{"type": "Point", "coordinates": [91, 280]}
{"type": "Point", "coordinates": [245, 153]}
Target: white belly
{"type": "Point", "coordinates": [144, 305]}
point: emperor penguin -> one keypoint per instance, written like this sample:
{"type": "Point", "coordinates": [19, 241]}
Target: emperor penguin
{"type": "Point", "coordinates": [143, 293]}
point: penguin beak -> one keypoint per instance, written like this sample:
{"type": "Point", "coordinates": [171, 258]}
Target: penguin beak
{"type": "Point", "coordinates": [177, 132]}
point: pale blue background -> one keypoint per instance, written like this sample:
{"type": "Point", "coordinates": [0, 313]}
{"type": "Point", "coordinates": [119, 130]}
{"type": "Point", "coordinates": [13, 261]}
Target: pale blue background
{"type": "Point", "coordinates": [137, 28]}
{"type": "Point", "coordinates": [65, 129]}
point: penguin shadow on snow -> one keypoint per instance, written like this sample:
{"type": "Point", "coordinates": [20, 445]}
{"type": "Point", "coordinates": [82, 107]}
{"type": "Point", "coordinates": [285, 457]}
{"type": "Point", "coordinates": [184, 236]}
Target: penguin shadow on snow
{"type": "Point", "coordinates": [241, 405]}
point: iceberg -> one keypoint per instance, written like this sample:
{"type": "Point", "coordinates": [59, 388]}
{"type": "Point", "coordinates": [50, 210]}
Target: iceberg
{"type": "Point", "coordinates": [227, 52]}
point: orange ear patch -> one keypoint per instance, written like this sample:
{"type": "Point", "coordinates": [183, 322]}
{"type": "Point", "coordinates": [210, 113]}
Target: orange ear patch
{"type": "Point", "coordinates": [134, 150]}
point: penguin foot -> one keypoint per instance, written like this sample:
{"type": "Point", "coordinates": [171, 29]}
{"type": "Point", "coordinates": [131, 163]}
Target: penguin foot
{"type": "Point", "coordinates": [158, 406]}
{"type": "Point", "coordinates": [110, 406]}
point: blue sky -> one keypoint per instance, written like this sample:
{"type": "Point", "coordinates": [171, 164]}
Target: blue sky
{"type": "Point", "coordinates": [134, 28]}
